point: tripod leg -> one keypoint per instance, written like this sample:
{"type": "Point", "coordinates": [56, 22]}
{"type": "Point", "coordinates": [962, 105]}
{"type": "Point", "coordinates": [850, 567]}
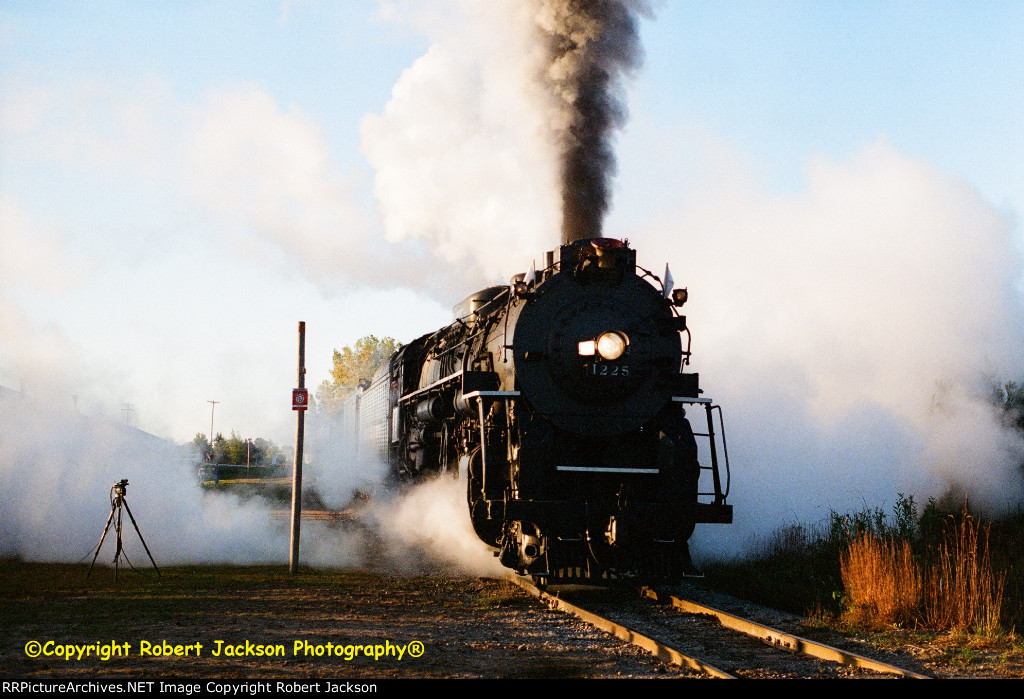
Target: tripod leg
{"type": "Point", "coordinates": [135, 524]}
{"type": "Point", "coordinates": [128, 560]}
{"type": "Point", "coordinates": [106, 528]}
{"type": "Point", "coordinates": [117, 553]}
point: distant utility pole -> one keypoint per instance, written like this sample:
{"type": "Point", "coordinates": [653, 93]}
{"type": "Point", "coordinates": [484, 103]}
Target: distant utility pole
{"type": "Point", "coordinates": [213, 406]}
{"type": "Point", "coordinates": [127, 410]}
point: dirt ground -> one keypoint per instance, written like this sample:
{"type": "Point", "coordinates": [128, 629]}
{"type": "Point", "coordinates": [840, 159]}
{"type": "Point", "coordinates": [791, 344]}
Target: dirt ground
{"type": "Point", "coordinates": [323, 624]}
{"type": "Point", "coordinates": [465, 627]}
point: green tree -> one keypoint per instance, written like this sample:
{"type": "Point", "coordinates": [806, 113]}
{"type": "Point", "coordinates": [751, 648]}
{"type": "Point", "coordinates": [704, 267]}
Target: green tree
{"type": "Point", "coordinates": [234, 449]}
{"type": "Point", "coordinates": [200, 444]}
{"type": "Point", "coordinates": [266, 453]}
{"type": "Point", "coordinates": [200, 448]}
{"type": "Point", "coordinates": [220, 449]}
{"type": "Point", "coordinates": [352, 364]}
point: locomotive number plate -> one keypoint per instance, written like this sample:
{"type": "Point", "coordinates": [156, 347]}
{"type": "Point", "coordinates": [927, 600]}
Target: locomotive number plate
{"type": "Point", "coordinates": [606, 369]}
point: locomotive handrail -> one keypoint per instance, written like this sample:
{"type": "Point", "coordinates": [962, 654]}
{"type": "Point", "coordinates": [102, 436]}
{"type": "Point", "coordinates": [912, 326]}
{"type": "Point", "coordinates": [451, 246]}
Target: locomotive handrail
{"type": "Point", "coordinates": [709, 407]}
{"type": "Point", "coordinates": [492, 394]}
{"type": "Point", "coordinates": [652, 275]}
{"type": "Point", "coordinates": [480, 396]}
{"type": "Point", "coordinates": [725, 450]}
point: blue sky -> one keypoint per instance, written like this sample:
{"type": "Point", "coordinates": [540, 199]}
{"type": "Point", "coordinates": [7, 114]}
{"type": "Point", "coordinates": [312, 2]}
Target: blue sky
{"type": "Point", "coordinates": [182, 182]}
{"type": "Point", "coordinates": [784, 80]}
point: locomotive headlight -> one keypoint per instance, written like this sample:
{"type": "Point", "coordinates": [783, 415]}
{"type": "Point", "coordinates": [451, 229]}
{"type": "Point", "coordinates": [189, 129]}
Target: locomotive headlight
{"type": "Point", "coordinates": [611, 345]}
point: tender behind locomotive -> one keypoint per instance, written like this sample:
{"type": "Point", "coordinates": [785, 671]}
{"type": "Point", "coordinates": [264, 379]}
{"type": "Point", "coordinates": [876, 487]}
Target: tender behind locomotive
{"type": "Point", "coordinates": [561, 398]}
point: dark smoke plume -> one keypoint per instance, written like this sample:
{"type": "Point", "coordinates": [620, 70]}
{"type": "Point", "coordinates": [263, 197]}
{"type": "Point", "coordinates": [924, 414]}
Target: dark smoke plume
{"type": "Point", "coordinates": [593, 44]}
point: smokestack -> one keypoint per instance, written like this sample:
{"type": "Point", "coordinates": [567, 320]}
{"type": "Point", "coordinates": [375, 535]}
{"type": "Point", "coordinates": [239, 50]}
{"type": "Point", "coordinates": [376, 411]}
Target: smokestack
{"type": "Point", "coordinates": [592, 45]}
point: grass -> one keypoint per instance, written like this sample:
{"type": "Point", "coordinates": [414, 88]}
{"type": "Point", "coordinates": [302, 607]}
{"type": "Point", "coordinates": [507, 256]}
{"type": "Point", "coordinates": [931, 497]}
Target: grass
{"type": "Point", "coordinates": [882, 580]}
{"type": "Point", "coordinates": [949, 587]}
{"type": "Point", "coordinates": [795, 569]}
{"type": "Point", "coordinates": [962, 591]}
{"type": "Point", "coordinates": [277, 492]}
{"type": "Point", "coordinates": [62, 596]}
{"type": "Point", "coordinates": [947, 584]}
{"type": "Point", "coordinates": [945, 571]}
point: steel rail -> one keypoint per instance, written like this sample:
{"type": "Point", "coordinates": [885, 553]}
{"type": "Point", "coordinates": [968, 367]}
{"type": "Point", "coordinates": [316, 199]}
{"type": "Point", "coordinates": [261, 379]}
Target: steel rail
{"type": "Point", "coordinates": [780, 638]}
{"type": "Point", "coordinates": [656, 648]}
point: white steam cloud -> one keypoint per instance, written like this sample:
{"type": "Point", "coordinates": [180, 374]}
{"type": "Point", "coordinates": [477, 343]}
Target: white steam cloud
{"type": "Point", "coordinates": [414, 528]}
{"type": "Point", "coordinates": [57, 467]}
{"type": "Point", "coordinates": [853, 331]}
{"type": "Point", "coordinates": [430, 525]}
{"type": "Point", "coordinates": [463, 152]}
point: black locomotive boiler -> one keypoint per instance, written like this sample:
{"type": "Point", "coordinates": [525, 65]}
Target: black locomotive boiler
{"type": "Point", "coordinates": [561, 398]}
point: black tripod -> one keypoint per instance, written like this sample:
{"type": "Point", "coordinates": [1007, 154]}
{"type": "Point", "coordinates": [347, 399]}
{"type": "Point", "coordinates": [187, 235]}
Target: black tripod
{"type": "Point", "coordinates": [117, 501]}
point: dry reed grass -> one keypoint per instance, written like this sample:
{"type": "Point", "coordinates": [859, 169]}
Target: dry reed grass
{"type": "Point", "coordinates": [956, 590]}
{"type": "Point", "coordinates": [962, 591]}
{"type": "Point", "coordinates": [882, 581]}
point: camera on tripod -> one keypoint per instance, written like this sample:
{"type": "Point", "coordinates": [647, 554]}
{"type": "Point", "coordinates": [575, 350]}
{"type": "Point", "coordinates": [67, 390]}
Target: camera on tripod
{"type": "Point", "coordinates": [119, 501]}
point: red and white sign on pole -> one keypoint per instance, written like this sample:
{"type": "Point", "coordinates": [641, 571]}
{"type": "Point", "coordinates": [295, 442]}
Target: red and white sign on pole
{"type": "Point", "coordinates": [300, 399]}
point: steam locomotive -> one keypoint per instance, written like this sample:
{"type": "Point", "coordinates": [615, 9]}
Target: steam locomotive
{"type": "Point", "coordinates": [561, 399]}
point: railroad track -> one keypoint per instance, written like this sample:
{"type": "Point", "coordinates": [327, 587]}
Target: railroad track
{"type": "Point", "coordinates": [317, 515]}
{"type": "Point", "coordinates": [710, 641]}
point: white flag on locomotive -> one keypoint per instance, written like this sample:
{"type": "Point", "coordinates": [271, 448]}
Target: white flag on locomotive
{"type": "Point", "coordinates": [531, 276]}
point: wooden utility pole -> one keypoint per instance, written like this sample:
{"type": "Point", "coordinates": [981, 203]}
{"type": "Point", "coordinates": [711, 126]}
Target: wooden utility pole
{"type": "Point", "coordinates": [213, 406]}
{"type": "Point", "coordinates": [300, 399]}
